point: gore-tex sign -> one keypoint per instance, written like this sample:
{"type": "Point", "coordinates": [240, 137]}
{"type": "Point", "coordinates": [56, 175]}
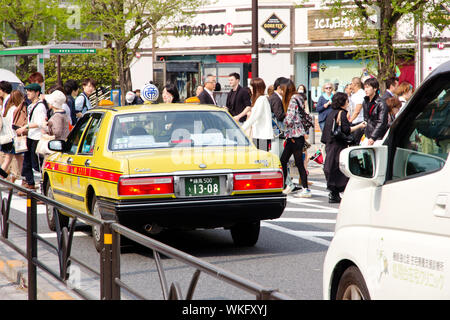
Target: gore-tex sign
{"type": "Point", "coordinates": [274, 26]}
{"type": "Point", "coordinates": [204, 30]}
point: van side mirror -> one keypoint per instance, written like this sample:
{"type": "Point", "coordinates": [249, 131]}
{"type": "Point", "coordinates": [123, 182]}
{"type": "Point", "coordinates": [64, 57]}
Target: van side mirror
{"type": "Point", "coordinates": [365, 163]}
{"type": "Point", "coordinates": [362, 163]}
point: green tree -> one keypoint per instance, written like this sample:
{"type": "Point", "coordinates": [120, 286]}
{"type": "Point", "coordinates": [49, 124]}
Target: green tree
{"type": "Point", "coordinates": [125, 24]}
{"type": "Point", "coordinates": [376, 22]}
{"type": "Point", "coordinates": [98, 66]}
{"type": "Point", "coordinates": [33, 22]}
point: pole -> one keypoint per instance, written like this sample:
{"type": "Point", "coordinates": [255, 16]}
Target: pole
{"type": "Point", "coordinates": [255, 58]}
{"type": "Point", "coordinates": [58, 61]}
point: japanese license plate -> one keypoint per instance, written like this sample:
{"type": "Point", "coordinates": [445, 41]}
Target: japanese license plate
{"type": "Point", "coordinates": [202, 186]}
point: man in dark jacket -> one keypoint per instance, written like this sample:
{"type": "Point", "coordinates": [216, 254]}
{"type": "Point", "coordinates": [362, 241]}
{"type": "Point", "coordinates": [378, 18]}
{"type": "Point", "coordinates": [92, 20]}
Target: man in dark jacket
{"type": "Point", "coordinates": [391, 85]}
{"type": "Point", "coordinates": [275, 100]}
{"type": "Point", "coordinates": [207, 95]}
{"type": "Point", "coordinates": [375, 112]}
{"type": "Point", "coordinates": [238, 98]}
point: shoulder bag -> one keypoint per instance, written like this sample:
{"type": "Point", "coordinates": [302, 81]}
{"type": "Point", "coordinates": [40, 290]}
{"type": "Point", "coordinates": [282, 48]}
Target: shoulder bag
{"type": "Point", "coordinates": [42, 146]}
{"type": "Point", "coordinates": [20, 117]}
{"type": "Point", "coordinates": [336, 131]}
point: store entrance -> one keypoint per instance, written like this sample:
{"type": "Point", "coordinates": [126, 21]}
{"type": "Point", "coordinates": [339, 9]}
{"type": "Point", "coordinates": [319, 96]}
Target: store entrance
{"type": "Point", "coordinates": [184, 74]}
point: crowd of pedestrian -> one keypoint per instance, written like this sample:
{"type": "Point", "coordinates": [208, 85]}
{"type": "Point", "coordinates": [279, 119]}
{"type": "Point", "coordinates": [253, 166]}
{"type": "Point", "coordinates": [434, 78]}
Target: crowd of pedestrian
{"type": "Point", "coordinates": [31, 117]}
{"type": "Point", "coordinates": [276, 117]}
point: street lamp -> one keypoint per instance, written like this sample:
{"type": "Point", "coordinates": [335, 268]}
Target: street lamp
{"type": "Point", "coordinates": [255, 39]}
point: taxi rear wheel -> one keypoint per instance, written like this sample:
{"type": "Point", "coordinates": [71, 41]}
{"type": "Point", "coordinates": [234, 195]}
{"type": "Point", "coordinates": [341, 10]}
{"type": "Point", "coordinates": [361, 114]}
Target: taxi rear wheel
{"type": "Point", "coordinates": [352, 286]}
{"type": "Point", "coordinates": [245, 234]}
{"type": "Point", "coordinates": [51, 211]}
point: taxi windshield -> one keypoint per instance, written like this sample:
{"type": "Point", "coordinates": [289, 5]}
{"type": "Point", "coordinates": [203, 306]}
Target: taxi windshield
{"type": "Point", "coordinates": [149, 130]}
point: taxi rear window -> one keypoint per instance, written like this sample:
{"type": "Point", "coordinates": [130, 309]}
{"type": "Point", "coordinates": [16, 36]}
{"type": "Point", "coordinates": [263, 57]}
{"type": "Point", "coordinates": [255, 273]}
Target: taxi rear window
{"type": "Point", "coordinates": [150, 130]}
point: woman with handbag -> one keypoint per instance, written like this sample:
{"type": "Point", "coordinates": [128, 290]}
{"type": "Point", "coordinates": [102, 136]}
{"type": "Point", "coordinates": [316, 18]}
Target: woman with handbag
{"type": "Point", "coordinates": [296, 123]}
{"type": "Point", "coordinates": [337, 136]}
{"type": "Point", "coordinates": [8, 134]}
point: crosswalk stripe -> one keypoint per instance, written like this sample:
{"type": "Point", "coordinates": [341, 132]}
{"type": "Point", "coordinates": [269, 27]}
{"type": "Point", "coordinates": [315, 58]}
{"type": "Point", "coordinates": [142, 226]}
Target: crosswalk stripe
{"type": "Point", "coordinates": [310, 210]}
{"type": "Point", "coordinates": [306, 235]}
{"type": "Point", "coordinates": [304, 220]}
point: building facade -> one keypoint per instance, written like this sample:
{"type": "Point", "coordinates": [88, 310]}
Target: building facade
{"type": "Point", "coordinates": [301, 42]}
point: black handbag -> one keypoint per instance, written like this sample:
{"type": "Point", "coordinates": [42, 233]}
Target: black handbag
{"type": "Point", "coordinates": [337, 134]}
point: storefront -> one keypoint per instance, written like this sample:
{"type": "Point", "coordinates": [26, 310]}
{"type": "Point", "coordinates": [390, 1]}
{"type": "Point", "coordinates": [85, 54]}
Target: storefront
{"type": "Point", "coordinates": [301, 42]}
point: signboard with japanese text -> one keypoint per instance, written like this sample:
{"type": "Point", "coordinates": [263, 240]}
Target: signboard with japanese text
{"type": "Point", "coordinates": [323, 26]}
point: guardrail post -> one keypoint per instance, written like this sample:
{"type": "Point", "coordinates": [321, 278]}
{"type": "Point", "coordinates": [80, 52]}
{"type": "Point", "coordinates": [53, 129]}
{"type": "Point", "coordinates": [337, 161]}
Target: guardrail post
{"type": "Point", "coordinates": [109, 263]}
{"type": "Point", "coordinates": [31, 247]}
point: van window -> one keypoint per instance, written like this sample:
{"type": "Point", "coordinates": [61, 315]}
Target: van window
{"type": "Point", "coordinates": [425, 145]}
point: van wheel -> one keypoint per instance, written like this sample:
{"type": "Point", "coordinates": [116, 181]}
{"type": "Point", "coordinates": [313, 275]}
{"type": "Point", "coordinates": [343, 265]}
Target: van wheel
{"type": "Point", "coordinates": [352, 286]}
{"type": "Point", "coordinates": [245, 234]}
{"type": "Point", "coordinates": [51, 211]}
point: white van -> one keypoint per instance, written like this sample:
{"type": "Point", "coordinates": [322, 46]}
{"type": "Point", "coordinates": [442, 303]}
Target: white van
{"type": "Point", "coordinates": [392, 237]}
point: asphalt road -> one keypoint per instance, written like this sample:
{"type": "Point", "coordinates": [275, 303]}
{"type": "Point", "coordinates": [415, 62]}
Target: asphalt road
{"type": "Point", "coordinates": [288, 256]}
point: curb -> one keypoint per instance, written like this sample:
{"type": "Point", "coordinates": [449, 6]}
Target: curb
{"type": "Point", "coordinates": [16, 271]}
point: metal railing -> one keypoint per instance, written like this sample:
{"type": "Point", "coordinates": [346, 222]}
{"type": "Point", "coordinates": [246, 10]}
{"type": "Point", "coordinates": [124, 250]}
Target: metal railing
{"type": "Point", "coordinates": [109, 273]}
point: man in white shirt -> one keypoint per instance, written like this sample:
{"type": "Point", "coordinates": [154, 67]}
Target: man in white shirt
{"type": "Point", "coordinates": [357, 112]}
{"type": "Point", "coordinates": [37, 115]}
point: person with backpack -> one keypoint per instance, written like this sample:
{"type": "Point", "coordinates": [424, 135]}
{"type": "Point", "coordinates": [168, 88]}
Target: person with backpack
{"type": "Point", "coordinates": [37, 117]}
{"type": "Point", "coordinates": [71, 90]}
{"type": "Point", "coordinates": [82, 103]}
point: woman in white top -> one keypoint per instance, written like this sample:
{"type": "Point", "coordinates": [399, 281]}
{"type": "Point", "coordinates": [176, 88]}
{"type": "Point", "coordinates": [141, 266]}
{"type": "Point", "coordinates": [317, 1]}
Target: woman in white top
{"type": "Point", "coordinates": [16, 99]}
{"type": "Point", "coordinates": [260, 119]}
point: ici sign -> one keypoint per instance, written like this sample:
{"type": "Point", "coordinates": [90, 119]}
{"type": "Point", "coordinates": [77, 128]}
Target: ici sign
{"type": "Point", "coordinates": [204, 30]}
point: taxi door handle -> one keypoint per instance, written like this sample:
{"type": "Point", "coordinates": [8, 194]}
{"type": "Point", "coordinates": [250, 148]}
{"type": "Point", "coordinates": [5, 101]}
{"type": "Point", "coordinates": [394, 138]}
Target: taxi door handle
{"type": "Point", "coordinates": [69, 161]}
{"type": "Point", "coordinates": [87, 163]}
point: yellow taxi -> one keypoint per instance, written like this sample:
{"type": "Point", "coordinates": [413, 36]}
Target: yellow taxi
{"type": "Point", "coordinates": [165, 166]}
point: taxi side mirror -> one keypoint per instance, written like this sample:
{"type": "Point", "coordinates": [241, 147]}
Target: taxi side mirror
{"type": "Point", "coordinates": [365, 163]}
{"type": "Point", "coordinates": [56, 145]}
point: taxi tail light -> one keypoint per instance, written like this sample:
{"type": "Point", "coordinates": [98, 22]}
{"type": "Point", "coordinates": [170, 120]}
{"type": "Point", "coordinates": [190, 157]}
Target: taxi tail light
{"type": "Point", "coordinates": [145, 186]}
{"type": "Point", "coordinates": [258, 181]}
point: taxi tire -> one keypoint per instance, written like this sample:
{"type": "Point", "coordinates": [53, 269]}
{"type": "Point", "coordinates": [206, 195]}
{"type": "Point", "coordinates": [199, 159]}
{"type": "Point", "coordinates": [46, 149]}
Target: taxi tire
{"type": "Point", "coordinates": [245, 234]}
{"type": "Point", "coordinates": [352, 286]}
{"type": "Point", "coordinates": [51, 221]}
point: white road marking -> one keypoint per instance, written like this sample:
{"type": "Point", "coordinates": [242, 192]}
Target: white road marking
{"type": "Point", "coordinates": [52, 235]}
{"type": "Point", "coordinates": [306, 235]}
{"type": "Point", "coordinates": [311, 210]}
{"type": "Point", "coordinates": [304, 220]}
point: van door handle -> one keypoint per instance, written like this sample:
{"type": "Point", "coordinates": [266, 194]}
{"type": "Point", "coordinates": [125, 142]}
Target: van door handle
{"type": "Point", "coordinates": [87, 163]}
{"type": "Point", "coordinates": [442, 205]}
{"type": "Point", "coordinates": [69, 161]}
